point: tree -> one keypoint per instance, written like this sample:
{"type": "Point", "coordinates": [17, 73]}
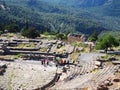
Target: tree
{"type": "Point", "coordinates": [1, 29]}
{"type": "Point", "coordinates": [94, 36]}
{"type": "Point", "coordinates": [107, 42]}
{"type": "Point", "coordinates": [23, 31]}
{"type": "Point", "coordinates": [61, 36]}
{"type": "Point", "coordinates": [26, 24]}
{"type": "Point", "coordinates": [30, 32]}
{"type": "Point", "coordinates": [12, 28]}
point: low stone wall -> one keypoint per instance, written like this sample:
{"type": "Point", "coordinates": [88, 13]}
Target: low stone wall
{"type": "Point", "coordinates": [15, 52]}
{"type": "Point", "coordinates": [51, 83]}
{"type": "Point", "coordinates": [24, 49]}
{"type": "Point", "coordinates": [10, 60]}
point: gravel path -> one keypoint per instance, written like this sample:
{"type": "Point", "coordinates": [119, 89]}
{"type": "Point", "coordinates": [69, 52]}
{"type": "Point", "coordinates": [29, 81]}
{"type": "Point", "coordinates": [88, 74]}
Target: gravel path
{"type": "Point", "coordinates": [88, 57]}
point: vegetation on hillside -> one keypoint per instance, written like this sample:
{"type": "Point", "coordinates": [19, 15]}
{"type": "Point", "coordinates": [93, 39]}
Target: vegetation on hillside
{"type": "Point", "coordinates": [45, 16]}
{"type": "Point", "coordinates": [94, 36]}
{"type": "Point", "coordinates": [30, 32]}
{"type": "Point", "coordinates": [107, 42]}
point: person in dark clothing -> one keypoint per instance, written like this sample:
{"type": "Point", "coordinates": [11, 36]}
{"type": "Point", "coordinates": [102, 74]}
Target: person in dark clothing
{"type": "Point", "coordinates": [73, 61]}
{"type": "Point", "coordinates": [64, 62]}
{"type": "Point", "coordinates": [47, 62]}
{"type": "Point", "coordinates": [68, 62]}
{"type": "Point", "coordinates": [42, 62]}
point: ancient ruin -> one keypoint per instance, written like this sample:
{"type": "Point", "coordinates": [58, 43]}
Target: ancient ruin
{"type": "Point", "coordinates": [40, 64]}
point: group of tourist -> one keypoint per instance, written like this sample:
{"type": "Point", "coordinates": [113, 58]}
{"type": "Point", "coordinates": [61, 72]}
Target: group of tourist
{"type": "Point", "coordinates": [63, 62]}
{"type": "Point", "coordinates": [45, 61]}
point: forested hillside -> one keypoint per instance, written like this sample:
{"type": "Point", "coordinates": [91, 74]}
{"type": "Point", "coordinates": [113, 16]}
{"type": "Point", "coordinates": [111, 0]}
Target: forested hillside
{"type": "Point", "coordinates": [78, 3]}
{"type": "Point", "coordinates": [46, 16]}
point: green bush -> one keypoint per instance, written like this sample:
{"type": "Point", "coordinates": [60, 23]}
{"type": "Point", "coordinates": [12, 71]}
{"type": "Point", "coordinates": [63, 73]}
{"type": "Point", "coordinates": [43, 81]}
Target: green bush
{"type": "Point", "coordinates": [30, 33]}
{"type": "Point", "coordinates": [106, 42]}
{"type": "Point", "coordinates": [61, 36]}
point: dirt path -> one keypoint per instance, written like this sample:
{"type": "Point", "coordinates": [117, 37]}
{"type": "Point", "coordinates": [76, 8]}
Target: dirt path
{"type": "Point", "coordinates": [88, 57]}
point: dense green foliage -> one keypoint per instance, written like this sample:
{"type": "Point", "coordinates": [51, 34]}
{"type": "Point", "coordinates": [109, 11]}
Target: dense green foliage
{"type": "Point", "coordinates": [12, 28]}
{"type": "Point", "coordinates": [78, 3]}
{"type": "Point", "coordinates": [61, 36]}
{"type": "Point", "coordinates": [30, 32]}
{"type": "Point", "coordinates": [107, 42]}
{"type": "Point", "coordinates": [116, 34]}
{"type": "Point", "coordinates": [45, 16]}
{"type": "Point", "coordinates": [94, 36]}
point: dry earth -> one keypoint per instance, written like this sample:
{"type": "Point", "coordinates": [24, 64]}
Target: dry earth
{"type": "Point", "coordinates": [25, 75]}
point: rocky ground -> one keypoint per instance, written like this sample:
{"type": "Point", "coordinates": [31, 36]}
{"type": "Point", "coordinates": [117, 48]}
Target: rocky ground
{"type": "Point", "coordinates": [25, 75]}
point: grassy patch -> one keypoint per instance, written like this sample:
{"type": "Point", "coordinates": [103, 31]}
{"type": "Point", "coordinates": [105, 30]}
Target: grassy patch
{"type": "Point", "coordinates": [18, 56]}
{"type": "Point", "coordinates": [44, 49]}
{"type": "Point", "coordinates": [61, 49]}
{"type": "Point", "coordinates": [49, 37]}
{"type": "Point", "coordinates": [95, 71]}
{"type": "Point", "coordinates": [74, 56]}
{"type": "Point", "coordinates": [29, 45]}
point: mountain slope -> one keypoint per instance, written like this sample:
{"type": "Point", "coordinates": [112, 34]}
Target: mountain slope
{"type": "Point", "coordinates": [79, 3]}
{"type": "Point", "coordinates": [107, 7]}
{"type": "Point", "coordinates": [113, 9]}
{"type": "Point", "coordinates": [44, 15]}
